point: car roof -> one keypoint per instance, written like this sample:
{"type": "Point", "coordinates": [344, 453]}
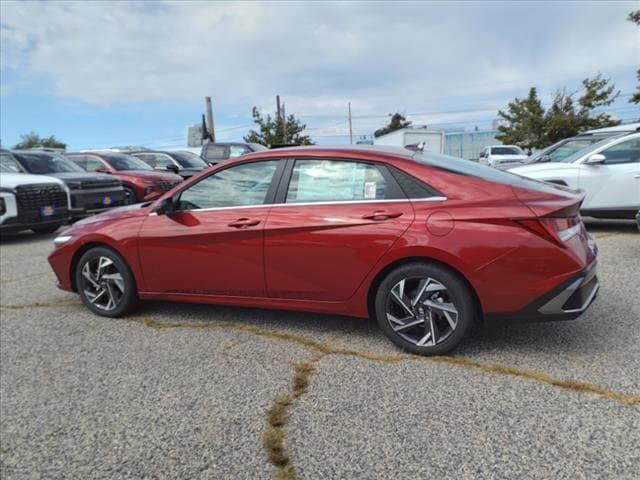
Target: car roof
{"type": "Point", "coordinates": [350, 151]}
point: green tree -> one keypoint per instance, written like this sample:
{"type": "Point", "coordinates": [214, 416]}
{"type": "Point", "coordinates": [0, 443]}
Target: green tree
{"type": "Point", "coordinates": [527, 124]}
{"type": "Point", "coordinates": [33, 140]}
{"type": "Point", "coordinates": [272, 131]}
{"type": "Point", "coordinates": [635, 18]}
{"type": "Point", "coordinates": [523, 123]}
{"type": "Point", "coordinates": [397, 122]}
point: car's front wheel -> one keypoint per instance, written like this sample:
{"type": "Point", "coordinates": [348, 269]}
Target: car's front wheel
{"type": "Point", "coordinates": [424, 308]}
{"type": "Point", "coordinates": [105, 283]}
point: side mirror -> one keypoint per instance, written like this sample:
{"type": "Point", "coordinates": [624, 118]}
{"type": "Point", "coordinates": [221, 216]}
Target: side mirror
{"type": "Point", "coordinates": [595, 159]}
{"type": "Point", "coordinates": [102, 170]}
{"type": "Point", "coordinates": [173, 168]}
{"type": "Point", "coordinates": [167, 206]}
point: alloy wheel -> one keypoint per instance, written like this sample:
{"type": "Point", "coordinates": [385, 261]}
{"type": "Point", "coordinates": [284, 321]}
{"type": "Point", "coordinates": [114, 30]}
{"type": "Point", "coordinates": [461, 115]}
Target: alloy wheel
{"type": "Point", "coordinates": [421, 311]}
{"type": "Point", "coordinates": [103, 284]}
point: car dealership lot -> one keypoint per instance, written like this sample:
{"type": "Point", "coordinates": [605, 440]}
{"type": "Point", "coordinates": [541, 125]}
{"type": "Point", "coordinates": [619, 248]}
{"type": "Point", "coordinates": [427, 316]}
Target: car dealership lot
{"type": "Point", "coordinates": [87, 396]}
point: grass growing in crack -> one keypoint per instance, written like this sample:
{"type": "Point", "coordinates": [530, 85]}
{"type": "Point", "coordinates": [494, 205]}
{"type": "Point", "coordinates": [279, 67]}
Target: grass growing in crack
{"type": "Point", "coordinates": [54, 303]}
{"type": "Point", "coordinates": [327, 349]}
{"type": "Point", "coordinates": [275, 435]}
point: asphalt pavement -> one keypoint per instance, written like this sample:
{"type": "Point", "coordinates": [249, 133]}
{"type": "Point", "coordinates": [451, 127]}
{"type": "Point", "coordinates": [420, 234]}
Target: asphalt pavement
{"type": "Point", "coordinates": [185, 391]}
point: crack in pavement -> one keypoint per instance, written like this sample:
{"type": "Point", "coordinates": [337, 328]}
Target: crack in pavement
{"type": "Point", "coordinates": [274, 437]}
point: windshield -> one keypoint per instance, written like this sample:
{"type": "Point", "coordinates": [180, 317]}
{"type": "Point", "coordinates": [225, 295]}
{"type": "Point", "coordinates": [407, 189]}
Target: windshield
{"type": "Point", "coordinates": [9, 164]}
{"type": "Point", "coordinates": [506, 151]}
{"type": "Point", "coordinates": [121, 162]}
{"type": "Point", "coordinates": [43, 164]}
{"type": "Point", "coordinates": [189, 160]}
{"type": "Point", "coordinates": [586, 151]}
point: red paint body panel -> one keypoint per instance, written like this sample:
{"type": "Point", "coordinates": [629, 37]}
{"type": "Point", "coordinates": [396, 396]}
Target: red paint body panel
{"type": "Point", "coordinates": [325, 257]}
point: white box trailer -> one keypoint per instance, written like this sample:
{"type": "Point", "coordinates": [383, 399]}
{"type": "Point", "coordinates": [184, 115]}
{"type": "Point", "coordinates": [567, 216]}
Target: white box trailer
{"type": "Point", "coordinates": [433, 139]}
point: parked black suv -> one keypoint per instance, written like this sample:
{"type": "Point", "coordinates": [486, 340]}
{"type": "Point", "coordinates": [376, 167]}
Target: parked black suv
{"type": "Point", "coordinates": [213, 153]}
{"type": "Point", "coordinates": [185, 164]}
{"type": "Point", "coordinates": [90, 192]}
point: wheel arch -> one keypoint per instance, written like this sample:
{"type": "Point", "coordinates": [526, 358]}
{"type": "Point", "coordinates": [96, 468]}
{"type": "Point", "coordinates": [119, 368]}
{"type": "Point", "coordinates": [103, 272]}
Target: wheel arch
{"type": "Point", "coordinates": [380, 276]}
{"type": "Point", "coordinates": [85, 248]}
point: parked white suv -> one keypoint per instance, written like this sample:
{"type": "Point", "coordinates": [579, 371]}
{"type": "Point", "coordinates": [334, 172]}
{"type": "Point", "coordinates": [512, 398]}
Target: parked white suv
{"type": "Point", "coordinates": [502, 156]}
{"type": "Point", "coordinates": [608, 172]}
{"type": "Point", "coordinates": [30, 202]}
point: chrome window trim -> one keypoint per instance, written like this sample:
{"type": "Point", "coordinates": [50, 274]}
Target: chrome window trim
{"type": "Point", "coordinates": [305, 204]}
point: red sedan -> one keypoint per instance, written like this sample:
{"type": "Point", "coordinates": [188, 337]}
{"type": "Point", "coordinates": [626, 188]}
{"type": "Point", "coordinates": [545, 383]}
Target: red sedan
{"type": "Point", "coordinates": [141, 182]}
{"type": "Point", "coordinates": [426, 244]}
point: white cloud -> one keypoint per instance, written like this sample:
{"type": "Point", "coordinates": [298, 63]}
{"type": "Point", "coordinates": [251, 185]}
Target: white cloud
{"type": "Point", "coordinates": [382, 57]}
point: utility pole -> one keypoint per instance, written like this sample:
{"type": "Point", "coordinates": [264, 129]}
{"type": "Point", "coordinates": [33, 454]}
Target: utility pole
{"type": "Point", "coordinates": [212, 132]}
{"type": "Point", "coordinates": [278, 107]}
{"type": "Point", "coordinates": [284, 123]}
{"type": "Point", "coordinates": [350, 128]}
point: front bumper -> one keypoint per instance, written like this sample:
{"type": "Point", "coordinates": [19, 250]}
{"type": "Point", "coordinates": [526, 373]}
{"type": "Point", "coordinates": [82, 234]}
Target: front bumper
{"type": "Point", "coordinates": [564, 302]}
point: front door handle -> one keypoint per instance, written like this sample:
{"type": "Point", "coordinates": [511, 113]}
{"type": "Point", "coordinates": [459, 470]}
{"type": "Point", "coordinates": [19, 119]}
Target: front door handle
{"type": "Point", "coordinates": [244, 223]}
{"type": "Point", "coordinates": [637, 176]}
{"type": "Point", "coordinates": [380, 215]}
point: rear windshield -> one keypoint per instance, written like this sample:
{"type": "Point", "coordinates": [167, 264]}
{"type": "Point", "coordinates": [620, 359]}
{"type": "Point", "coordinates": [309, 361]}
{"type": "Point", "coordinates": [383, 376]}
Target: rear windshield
{"type": "Point", "coordinates": [506, 151]}
{"type": "Point", "coordinates": [474, 169]}
{"type": "Point", "coordinates": [43, 164]}
{"type": "Point", "coordinates": [122, 162]}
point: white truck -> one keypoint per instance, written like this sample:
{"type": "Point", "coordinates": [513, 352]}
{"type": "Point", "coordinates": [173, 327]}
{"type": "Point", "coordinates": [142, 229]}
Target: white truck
{"type": "Point", "coordinates": [427, 140]}
{"type": "Point", "coordinates": [30, 202]}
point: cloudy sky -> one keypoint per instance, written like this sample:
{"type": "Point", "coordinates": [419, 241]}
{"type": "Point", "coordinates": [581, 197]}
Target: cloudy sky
{"type": "Point", "coordinates": [110, 73]}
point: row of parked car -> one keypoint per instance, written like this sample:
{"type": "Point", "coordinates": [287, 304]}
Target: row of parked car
{"type": "Point", "coordinates": [42, 189]}
{"type": "Point", "coordinates": [604, 163]}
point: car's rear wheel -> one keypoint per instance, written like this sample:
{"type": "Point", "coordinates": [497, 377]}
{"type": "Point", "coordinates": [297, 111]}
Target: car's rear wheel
{"type": "Point", "coordinates": [424, 308]}
{"type": "Point", "coordinates": [130, 196]}
{"type": "Point", "coordinates": [105, 283]}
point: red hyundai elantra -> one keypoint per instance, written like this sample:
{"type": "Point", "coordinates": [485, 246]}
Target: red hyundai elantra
{"type": "Point", "coordinates": [426, 244]}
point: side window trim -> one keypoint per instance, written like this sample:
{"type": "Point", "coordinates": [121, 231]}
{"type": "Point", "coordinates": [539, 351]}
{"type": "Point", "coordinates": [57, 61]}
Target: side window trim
{"type": "Point", "coordinates": [271, 191]}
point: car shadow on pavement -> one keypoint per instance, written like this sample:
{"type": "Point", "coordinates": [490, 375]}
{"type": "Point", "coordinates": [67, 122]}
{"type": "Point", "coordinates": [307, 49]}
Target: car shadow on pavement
{"type": "Point", "coordinates": [508, 336]}
{"type": "Point", "coordinates": [26, 237]}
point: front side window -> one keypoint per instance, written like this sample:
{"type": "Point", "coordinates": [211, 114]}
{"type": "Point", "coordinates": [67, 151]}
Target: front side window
{"type": "Point", "coordinates": [237, 150]}
{"type": "Point", "coordinates": [624, 152]}
{"type": "Point", "coordinates": [94, 165]}
{"type": "Point", "coordinates": [240, 185]}
{"type": "Point", "coordinates": [335, 181]}
{"type": "Point", "coordinates": [161, 161]}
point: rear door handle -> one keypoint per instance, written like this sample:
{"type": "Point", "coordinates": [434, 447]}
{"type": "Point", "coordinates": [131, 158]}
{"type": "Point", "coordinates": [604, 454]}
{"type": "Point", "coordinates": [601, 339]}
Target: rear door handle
{"type": "Point", "coordinates": [380, 215]}
{"type": "Point", "coordinates": [637, 175]}
{"type": "Point", "coordinates": [244, 223]}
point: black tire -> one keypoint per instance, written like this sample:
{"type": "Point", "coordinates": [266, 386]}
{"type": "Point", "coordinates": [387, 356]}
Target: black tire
{"type": "Point", "coordinates": [129, 297]}
{"type": "Point", "coordinates": [45, 230]}
{"type": "Point", "coordinates": [457, 292]}
{"type": "Point", "coordinates": [130, 196]}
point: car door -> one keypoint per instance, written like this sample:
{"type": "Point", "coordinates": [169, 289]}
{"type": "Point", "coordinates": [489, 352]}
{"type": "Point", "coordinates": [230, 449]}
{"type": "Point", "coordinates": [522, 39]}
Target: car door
{"type": "Point", "coordinates": [336, 219]}
{"type": "Point", "coordinates": [213, 243]}
{"type": "Point", "coordinates": [614, 184]}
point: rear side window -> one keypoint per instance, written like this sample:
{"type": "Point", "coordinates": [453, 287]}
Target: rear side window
{"type": "Point", "coordinates": [215, 153]}
{"type": "Point", "coordinates": [412, 187]}
{"type": "Point", "coordinates": [338, 181]}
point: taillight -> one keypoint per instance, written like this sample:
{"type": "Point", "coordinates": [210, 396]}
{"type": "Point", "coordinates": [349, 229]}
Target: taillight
{"type": "Point", "coordinates": [555, 229]}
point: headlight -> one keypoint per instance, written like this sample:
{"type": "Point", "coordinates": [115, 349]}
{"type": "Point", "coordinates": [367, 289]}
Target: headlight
{"type": "Point", "coordinates": [149, 182]}
{"type": "Point", "coordinates": [60, 239]}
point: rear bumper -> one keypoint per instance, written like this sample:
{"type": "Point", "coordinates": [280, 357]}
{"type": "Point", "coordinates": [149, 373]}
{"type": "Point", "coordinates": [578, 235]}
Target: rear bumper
{"type": "Point", "coordinates": [564, 302]}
